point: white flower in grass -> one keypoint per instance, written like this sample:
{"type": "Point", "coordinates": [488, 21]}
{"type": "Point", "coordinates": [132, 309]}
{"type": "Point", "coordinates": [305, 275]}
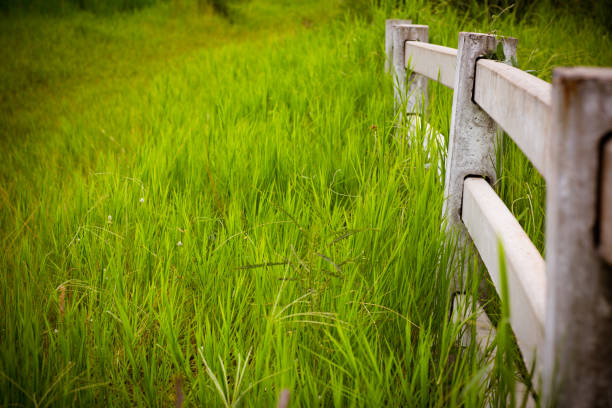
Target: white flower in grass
{"type": "Point", "coordinates": [180, 244]}
{"type": "Point", "coordinates": [141, 200]}
{"type": "Point", "coordinates": [109, 219]}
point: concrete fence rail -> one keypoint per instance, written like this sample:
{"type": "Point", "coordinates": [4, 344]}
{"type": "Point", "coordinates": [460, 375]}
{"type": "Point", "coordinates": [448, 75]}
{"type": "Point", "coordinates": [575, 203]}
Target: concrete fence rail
{"type": "Point", "coordinates": [520, 103]}
{"type": "Point", "coordinates": [561, 307]}
{"type": "Point", "coordinates": [433, 61]}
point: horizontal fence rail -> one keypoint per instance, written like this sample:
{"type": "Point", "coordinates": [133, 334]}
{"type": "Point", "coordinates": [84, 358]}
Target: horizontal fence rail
{"type": "Point", "coordinates": [520, 103]}
{"type": "Point", "coordinates": [433, 61]}
{"type": "Point", "coordinates": [487, 219]}
{"type": "Point", "coordinates": [561, 308]}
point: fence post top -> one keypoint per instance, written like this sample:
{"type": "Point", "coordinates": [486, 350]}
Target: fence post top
{"type": "Point", "coordinates": [484, 43]}
{"type": "Point", "coordinates": [410, 26]}
{"type": "Point", "coordinates": [468, 34]}
{"type": "Point", "coordinates": [588, 87]}
{"type": "Point", "coordinates": [411, 32]}
{"type": "Point", "coordinates": [579, 74]}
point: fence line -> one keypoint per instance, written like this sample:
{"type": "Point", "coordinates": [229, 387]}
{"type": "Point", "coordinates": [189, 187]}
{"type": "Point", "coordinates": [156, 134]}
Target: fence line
{"type": "Point", "coordinates": [561, 309]}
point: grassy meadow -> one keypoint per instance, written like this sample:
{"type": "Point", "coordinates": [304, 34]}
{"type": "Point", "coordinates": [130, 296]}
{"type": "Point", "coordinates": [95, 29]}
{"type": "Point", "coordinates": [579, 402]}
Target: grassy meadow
{"type": "Point", "coordinates": [204, 203]}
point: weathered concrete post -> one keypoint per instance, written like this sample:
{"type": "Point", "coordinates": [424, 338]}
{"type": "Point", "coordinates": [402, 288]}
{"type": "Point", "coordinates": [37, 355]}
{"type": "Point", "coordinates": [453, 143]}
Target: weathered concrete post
{"type": "Point", "coordinates": [605, 200]}
{"type": "Point", "coordinates": [389, 23]}
{"type": "Point", "coordinates": [577, 368]}
{"type": "Point", "coordinates": [471, 150]}
{"type": "Point", "coordinates": [417, 83]}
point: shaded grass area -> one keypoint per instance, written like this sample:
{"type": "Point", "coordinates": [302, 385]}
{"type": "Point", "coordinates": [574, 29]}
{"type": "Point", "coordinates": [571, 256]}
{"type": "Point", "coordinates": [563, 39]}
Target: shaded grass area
{"type": "Point", "coordinates": [100, 7]}
{"type": "Point", "coordinates": [52, 58]}
{"type": "Point", "coordinates": [55, 65]}
{"type": "Point", "coordinates": [229, 208]}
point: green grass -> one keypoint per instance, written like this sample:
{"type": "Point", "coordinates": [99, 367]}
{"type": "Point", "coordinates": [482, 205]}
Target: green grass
{"type": "Point", "coordinates": [228, 207]}
{"type": "Point", "coordinates": [63, 7]}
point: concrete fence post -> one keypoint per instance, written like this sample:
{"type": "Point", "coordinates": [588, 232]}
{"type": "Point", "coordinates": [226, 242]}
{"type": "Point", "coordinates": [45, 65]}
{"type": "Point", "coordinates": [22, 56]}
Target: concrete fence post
{"type": "Point", "coordinates": [472, 139]}
{"type": "Point", "coordinates": [389, 23]}
{"type": "Point", "coordinates": [577, 366]}
{"type": "Point", "coordinates": [605, 200]}
{"type": "Point", "coordinates": [417, 84]}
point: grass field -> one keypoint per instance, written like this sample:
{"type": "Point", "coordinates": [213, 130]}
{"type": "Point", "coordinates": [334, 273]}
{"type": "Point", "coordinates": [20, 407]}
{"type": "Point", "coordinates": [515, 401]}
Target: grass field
{"type": "Point", "coordinates": [212, 208]}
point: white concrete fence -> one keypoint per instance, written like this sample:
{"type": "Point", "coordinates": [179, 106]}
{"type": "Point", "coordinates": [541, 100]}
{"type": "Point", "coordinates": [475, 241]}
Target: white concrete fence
{"type": "Point", "coordinates": [561, 308]}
